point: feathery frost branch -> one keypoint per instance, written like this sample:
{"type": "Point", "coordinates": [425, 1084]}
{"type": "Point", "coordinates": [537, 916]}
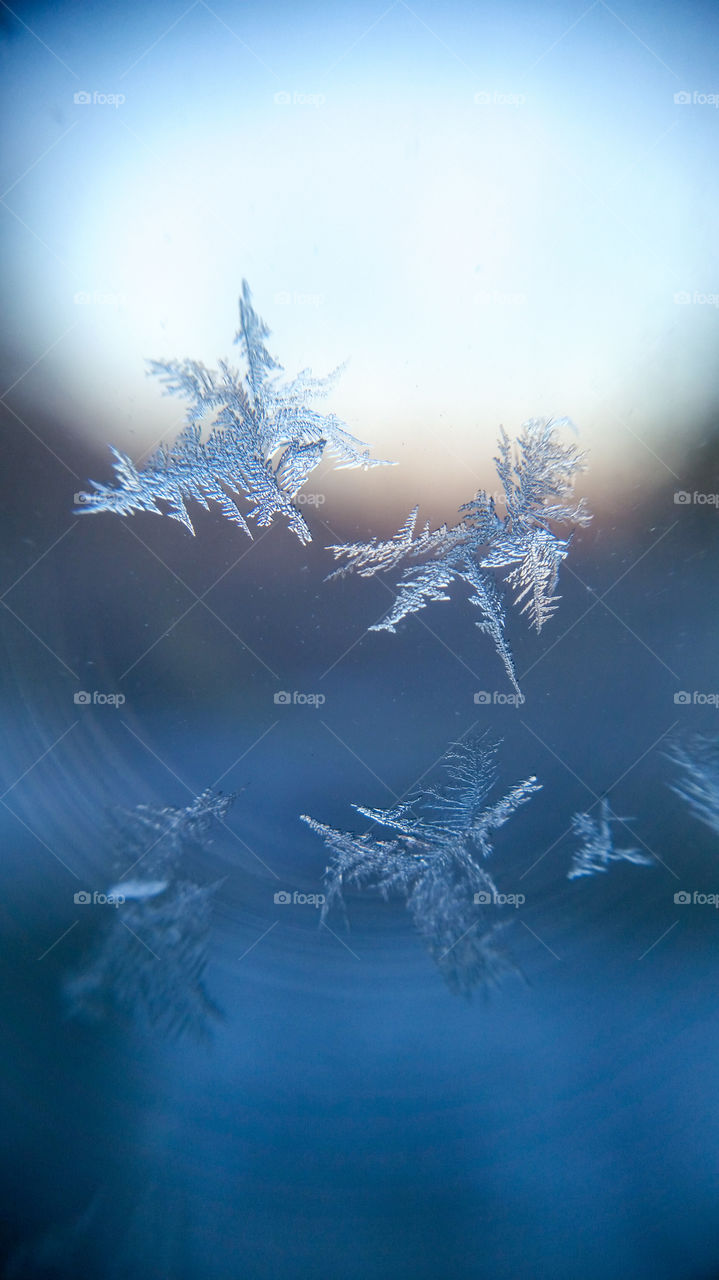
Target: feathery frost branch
{"type": "Point", "coordinates": [149, 956]}
{"type": "Point", "coordinates": [537, 477]}
{"type": "Point", "coordinates": [597, 851]}
{"type": "Point", "coordinates": [263, 443]}
{"type": "Point", "coordinates": [698, 781]}
{"type": "Point", "coordinates": [438, 839]}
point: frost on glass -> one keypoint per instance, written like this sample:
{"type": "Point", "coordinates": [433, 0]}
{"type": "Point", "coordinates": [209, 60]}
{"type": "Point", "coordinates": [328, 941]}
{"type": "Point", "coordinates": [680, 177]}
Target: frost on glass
{"type": "Point", "coordinates": [697, 779]}
{"type": "Point", "coordinates": [264, 441]}
{"type": "Point", "coordinates": [596, 851]}
{"type": "Point", "coordinates": [433, 859]}
{"type": "Point", "coordinates": [537, 476]}
{"type": "Point", "coordinates": [148, 958]}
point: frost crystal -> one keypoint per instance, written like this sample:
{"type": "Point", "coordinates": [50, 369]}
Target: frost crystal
{"type": "Point", "coordinates": [597, 849]}
{"type": "Point", "coordinates": [698, 783]}
{"type": "Point", "coordinates": [432, 860]}
{"type": "Point", "coordinates": [149, 958]}
{"type": "Point", "coordinates": [263, 443]}
{"type": "Point", "coordinates": [537, 478]}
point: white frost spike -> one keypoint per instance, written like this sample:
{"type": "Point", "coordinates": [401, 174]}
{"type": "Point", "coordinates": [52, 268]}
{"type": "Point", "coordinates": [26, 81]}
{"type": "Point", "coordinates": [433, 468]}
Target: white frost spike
{"type": "Point", "coordinates": [537, 557]}
{"type": "Point", "coordinates": [597, 851]}
{"type": "Point", "coordinates": [431, 859]}
{"type": "Point", "coordinates": [296, 463]}
{"type": "Point", "coordinates": [251, 418]}
{"type": "Point", "coordinates": [138, 889]}
{"type": "Point", "coordinates": [698, 782]}
{"type": "Point", "coordinates": [537, 478]}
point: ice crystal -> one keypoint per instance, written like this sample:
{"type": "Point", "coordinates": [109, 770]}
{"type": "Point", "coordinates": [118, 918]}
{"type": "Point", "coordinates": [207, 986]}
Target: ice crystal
{"type": "Point", "coordinates": [438, 839]}
{"type": "Point", "coordinates": [537, 478]}
{"type": "Point", "coordinates": [263, 443]}
{"type": "Point", "coordinates": [149, 956]}
{"type": "Point", "coordinates": [597, 851]}
{"type": "Point", "coordinates": [698, 781]}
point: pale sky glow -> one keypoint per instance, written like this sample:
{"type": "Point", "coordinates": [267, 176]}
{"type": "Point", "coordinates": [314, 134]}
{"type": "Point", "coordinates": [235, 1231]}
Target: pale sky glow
{"type": "Point", "coordinates": [484, 245]}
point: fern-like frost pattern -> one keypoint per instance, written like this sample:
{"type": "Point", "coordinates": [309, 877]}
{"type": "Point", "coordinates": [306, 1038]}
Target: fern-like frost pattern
{"type": "Point", "coordinates": [537, 477]}
{"type": "Point", "coordinates": [148, 961]}
{"type": "Point", "coordinates": [438, 841]}
{"type": "Point", "coordinates": [264, 441]}
{"type": "Point", "coordinates": [596, 851]}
